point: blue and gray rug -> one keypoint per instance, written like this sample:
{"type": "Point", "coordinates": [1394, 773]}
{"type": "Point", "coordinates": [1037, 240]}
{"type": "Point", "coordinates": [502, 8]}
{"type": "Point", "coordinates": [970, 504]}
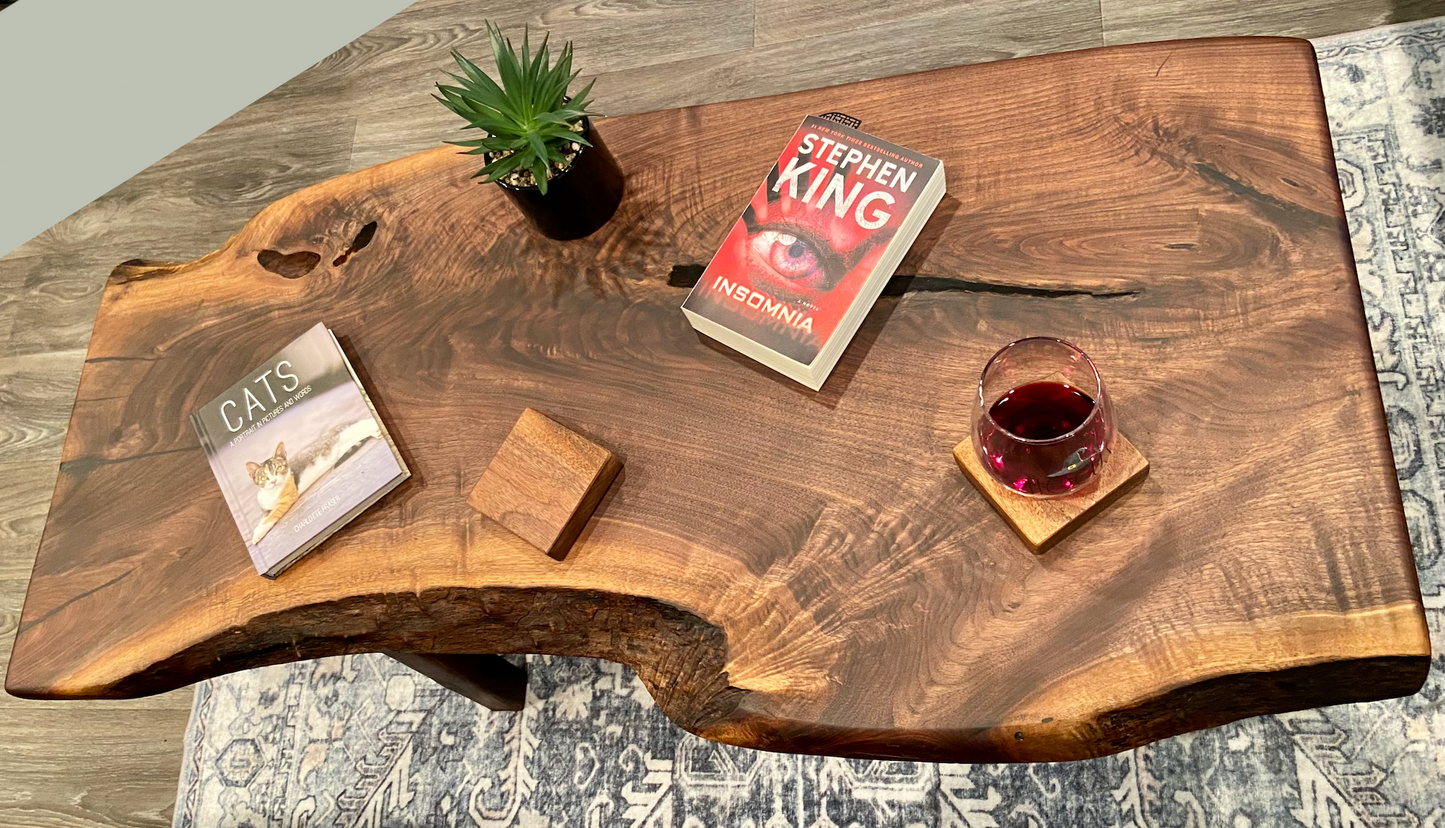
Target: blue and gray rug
{"type": "Point", "coordinates": [363, 741]}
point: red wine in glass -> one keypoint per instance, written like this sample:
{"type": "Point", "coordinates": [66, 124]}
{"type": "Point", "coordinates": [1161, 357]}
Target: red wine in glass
{"type": "Point", "coordinates": [1042, 410]}
{"type": "Point", "coordinates": [1040, 430]}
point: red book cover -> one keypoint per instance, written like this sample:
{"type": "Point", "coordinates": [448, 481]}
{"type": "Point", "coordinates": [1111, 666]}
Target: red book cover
{"type": "Point", "coordinates": [811, 237]}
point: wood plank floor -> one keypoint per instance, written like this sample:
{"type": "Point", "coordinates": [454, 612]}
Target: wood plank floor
{"type": "Point", "coordinates": [114, 764]}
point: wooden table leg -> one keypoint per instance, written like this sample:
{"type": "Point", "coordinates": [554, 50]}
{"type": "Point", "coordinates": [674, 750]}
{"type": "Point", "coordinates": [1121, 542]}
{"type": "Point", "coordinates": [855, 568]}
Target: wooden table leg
{"type": "Point", "coordinates": [488, 680]}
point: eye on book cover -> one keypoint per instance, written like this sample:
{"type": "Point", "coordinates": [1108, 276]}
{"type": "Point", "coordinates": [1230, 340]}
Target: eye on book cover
{"type": "Point", "coordinates": [813, 234]}
{"type": "Point", "coordinates": [297, 449]}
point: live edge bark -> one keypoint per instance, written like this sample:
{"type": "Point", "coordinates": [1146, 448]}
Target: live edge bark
{"type": "Point", "coordinates": [785, 569]}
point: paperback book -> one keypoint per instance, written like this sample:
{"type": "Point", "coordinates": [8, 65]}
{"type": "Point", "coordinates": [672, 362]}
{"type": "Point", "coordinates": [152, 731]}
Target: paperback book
{"type": "Point", "coordinates": [298, 450]}
{"type": "Point", "coordinates": [814, 247]}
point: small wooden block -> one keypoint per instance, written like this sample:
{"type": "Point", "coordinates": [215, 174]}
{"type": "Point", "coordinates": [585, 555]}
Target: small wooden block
{"type": "Point", "coordinates": [1043, 522]}
{"type": "Point", "coordinates": [544, 482]}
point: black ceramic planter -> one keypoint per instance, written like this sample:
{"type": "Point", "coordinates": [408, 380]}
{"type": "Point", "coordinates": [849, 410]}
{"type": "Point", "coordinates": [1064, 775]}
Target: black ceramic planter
{"type": "Point", "coordinates": [580, 199]}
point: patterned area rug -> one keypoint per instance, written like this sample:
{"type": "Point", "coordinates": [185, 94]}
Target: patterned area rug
{"type": "Point", "coordinates": [363, 741]}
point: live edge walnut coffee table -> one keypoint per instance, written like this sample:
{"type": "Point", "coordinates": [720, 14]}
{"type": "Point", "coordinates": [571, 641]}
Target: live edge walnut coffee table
{"type": "Point", "coordinates": [786, 569]}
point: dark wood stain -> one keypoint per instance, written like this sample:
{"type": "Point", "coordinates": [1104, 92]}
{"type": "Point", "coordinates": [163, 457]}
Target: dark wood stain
{"type": "Point", "coordinates": [290, 265]}
{"type": "Point", "coordinates": [191, 201]}
{"type": "Point", "coordinates": [363, 238]}
{"type": "Point", "coordinates": [785, 569]}
{"type": "Point", "coordinates": [817, 639]}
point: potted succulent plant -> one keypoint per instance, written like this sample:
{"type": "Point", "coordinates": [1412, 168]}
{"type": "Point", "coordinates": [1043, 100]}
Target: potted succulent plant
{"type": "Point", "coordinates": [538, 142]}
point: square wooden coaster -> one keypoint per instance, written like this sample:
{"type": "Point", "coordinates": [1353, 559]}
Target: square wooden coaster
{"type": "Point", "coordinates": [544, 482]}
{"type": "Point", "coordinates": [1043, 522]}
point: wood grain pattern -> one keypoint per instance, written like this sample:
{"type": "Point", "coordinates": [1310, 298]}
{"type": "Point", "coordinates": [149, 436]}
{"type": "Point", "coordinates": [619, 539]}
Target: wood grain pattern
{"type": "Point", "coordinates": [544, 482]}
{"type": "Point", "coordinates": [784, 58]}
{"type": "Point", "coordinates": [305, 132]}
{"type": "Point", "coordinates": [25, 382]}
{"type": "Point", "coordinates": [750, 602]}
{"type": "Point", "coordinates": [1126, 21]}
{"type": "Point", "coordinates": [83, 767]}
{"type": "Point", "coordinates": [791, 570]}
{"type": "Point", "coordinates": [1044, 522]}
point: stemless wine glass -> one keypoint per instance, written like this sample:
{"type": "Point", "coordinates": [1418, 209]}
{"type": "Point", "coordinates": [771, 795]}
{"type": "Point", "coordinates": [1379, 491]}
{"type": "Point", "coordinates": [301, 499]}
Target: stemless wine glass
{"type": "Point", "coordinates": [1043, 425]}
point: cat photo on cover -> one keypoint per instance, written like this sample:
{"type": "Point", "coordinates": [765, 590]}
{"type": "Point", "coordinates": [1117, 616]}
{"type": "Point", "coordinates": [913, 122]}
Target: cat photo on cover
{"type": "Point", "coordinates": [297, 449]}
{"type": "Point", "coordinates": [283, 480]}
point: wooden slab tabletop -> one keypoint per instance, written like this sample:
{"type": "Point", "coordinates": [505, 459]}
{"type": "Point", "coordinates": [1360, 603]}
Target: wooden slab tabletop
{"type": "Point", "coordinates": [787, 569]}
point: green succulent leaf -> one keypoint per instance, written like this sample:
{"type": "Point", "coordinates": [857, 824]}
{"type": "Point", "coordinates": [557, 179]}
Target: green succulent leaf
{"type": "Point", "coordinates": [498, 169]}
{"type": "Point", "coordinates": [524, 113]}
{"type": "Point", "coordinates": [538, 144]}
{"type": "Point", "coordinates": [480, 88]}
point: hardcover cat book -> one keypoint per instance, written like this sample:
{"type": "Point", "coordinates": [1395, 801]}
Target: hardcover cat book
{"type": "Point", "coordinates": [813, 249]}
{"type": "Point", "coordinates": [298, 450]}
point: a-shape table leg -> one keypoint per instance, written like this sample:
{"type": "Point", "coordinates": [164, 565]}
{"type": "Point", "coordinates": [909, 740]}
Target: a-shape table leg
{"type": "Point", "coordinates": [488, 680]}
